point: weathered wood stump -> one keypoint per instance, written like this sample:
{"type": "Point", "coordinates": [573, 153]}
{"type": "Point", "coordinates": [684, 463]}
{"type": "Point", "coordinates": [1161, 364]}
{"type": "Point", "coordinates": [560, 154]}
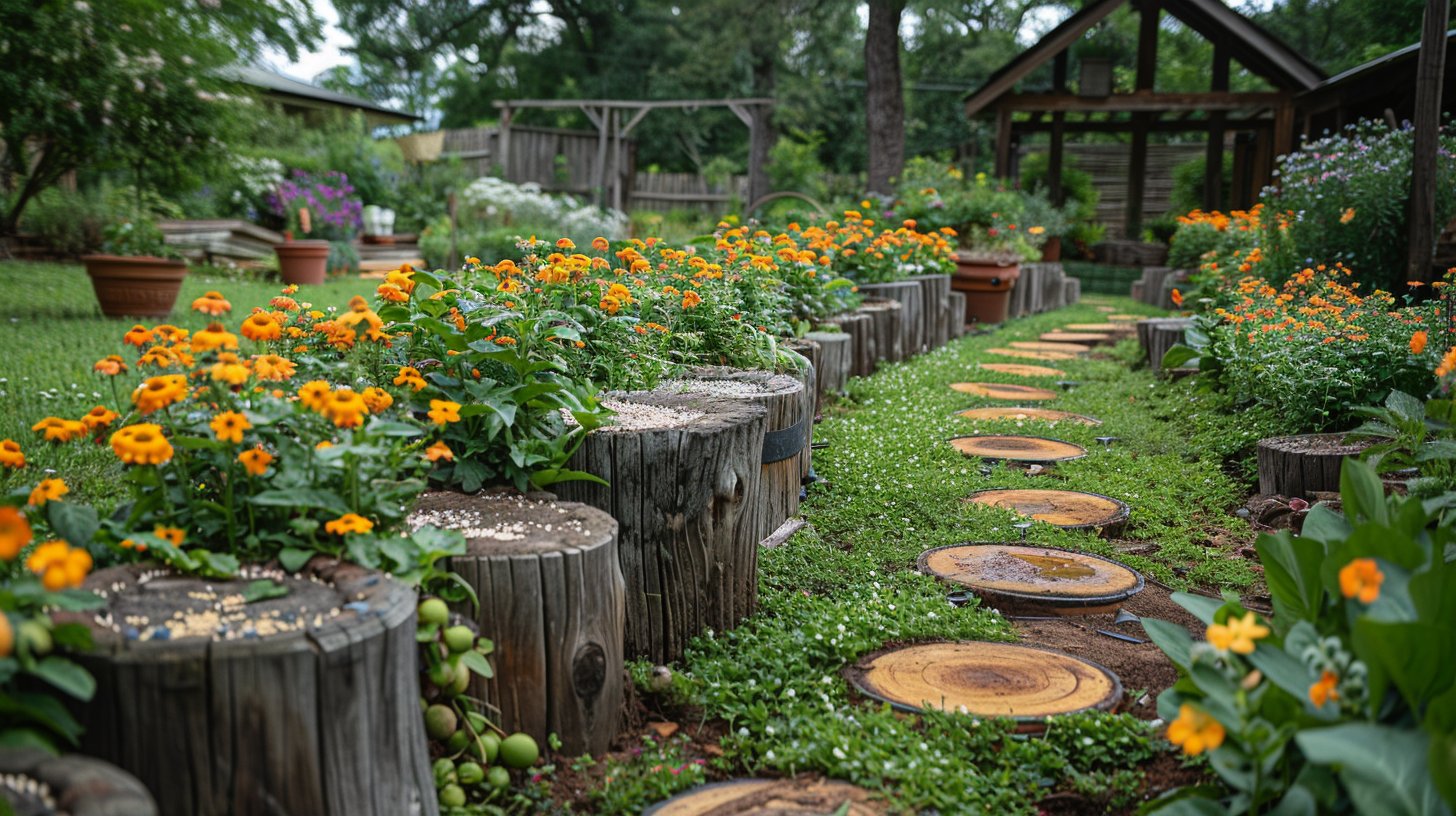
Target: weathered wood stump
{"type": "Point", "coordinates": [912, 312]}
{"type": "Point", "coordinates": [956, 313]}
{"type": "Point", "coordinates": [1072, 291]}
{"type": "Point", "coordinates": [1158, 334]}
{"type": "Point", "coordinates": [1298, 466]}
{"type": "Point", "coordinates": [35, 783]}
{"type": "Point", "coordinates": [886, 337]}
{"type": "Point", "coordinates": [861, 330]}
{"type": "Point", "coordinates": [1138, 291]}
{"type": "Point", "coordinates": [935, 314]}
{"type": "Point", "coordinates": [1004, 391]}
{"type": "Point", "coordinates": [1053, 290]}
{"type": "Point", "coordinates": [304, 703]}
{"type": "Point", "coordinates": [1017, 304]}
{"type": "Point", "coordinates": [683, 472]}
{"type": "Point", "coordinates": [836, 359]}
{"type": "Point", "coordinates": [1068, 509]}
{"type": "Point", "coordinates": [1033, 449]}
{"type": "Point", "coordinates": [553, 599]}
{"type": "Point", "coordinates": [1152, 285]}
{"type": "Point", "coordinates": [787, 434]}
{"type": "Point", "coordinates": [809, 796]}
{"type": "Point", "coordinates": [1034, 580]}
{"type": "Point", "coordinates": [808, 375]}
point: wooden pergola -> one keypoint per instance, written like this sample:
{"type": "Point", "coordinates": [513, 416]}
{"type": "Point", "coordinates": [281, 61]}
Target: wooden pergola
{"type": "Point", "coordinates": [614, 120]}
{"type": "Point", "coordinates": [1260, 124]}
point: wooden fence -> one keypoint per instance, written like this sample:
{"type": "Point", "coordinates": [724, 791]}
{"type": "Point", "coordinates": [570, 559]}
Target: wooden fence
{"type": "Point", "coordinates": [1107, 164]}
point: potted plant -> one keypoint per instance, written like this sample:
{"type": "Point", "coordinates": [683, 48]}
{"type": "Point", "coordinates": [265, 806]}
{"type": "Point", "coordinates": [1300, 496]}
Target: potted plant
{"type": "Point", "coordinates": [137, 274]}
{"type": "Point", "coordinates": [1044, 224]}
{"type": "Point", "coordinates": [1096, 56]}
{"type": "Point", "coordinates": [323, 205]}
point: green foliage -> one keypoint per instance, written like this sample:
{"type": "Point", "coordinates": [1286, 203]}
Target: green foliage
{"type": "Point", "coordinates": [655, 772]}
{"type": "Point", "coordinates": [137, 237]}
{"type": "Point", "coordinates": [1189, 179]}
{"type": "Point", "coordinates": [794, 164]}
{"type": "Point", "coordinates": [69, 222]}
{"type": "Point", "coordinates": [1411, 434]}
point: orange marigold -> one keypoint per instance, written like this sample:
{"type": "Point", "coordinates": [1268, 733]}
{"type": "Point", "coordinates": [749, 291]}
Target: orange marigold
{"type": "Point", "coordinates": [57, 429]}
{"type": "Point", "coordinates": [261, 327]}
{"type": "Point", "coordinates": [159, 392]}
{"type": "Point", "coordinates": [229, 426]}
{"type": "Point", "coordinates": [98, 418]}
{"type": "Point", "coordinates": [1418, 342]}
{"type": "Point", "coordinates": [1361, 578]}
{"type": "Point", "coordinates": [1324, 689]}
{"type": "Point", "coordinates": [11, 456]}
{"type": "Point", "coordinates": [212, 303]}
{"type": "Point", "coordinates": [59, 565]}
{"type": "Point", "coordinates": [47, 490]}
{"type": "Point", "coordinates": [255, 461]}
{"type": "Point", "coordinates": [142, 444]}
{"type": "Point", "coordinates": [15, 533]}
{"type": "Point", "coordinates": [111, 365]}
{"type": "Point", "coordinates": [349, 523]}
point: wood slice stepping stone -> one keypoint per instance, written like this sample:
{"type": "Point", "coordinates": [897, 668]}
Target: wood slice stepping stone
{"type": "Point", "coordinates": [1032, 580]}
{"type": "Point", "coordinates": [1026, 683]}
{"type": "Point", "coordinates": [1059, 348]}
{"type": "Point", "coordinates": [1069, 509]}
{"type": "Point", "coordinates": [1034, 449]}
{"type": "Point", "coordinates": [1106, 308]}
{"type": "Point", "coordinates": [770, 797]}
{"type": "Point", "coordinates": [996, 412]}
{"type": "Point", "coordinates": [1023, 370]}
{"type": "Point", "coordinates": [1099, 327]}
{"type": "Point", "coordinates": [1124, 318]}
{"type": "Point", "coordinates": [1076, 337]}
{"type": "Point", "coordinates": [1024, 354]}
{"type": "Point", "coordinates": [1004, 391]}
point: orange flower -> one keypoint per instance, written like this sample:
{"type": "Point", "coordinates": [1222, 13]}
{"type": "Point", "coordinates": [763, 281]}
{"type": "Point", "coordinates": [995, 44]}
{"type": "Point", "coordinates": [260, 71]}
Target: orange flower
{"type": "Point", "coordinates": [1347, 216]}
{"type": "Point", "coordinates": [59, 430]}
{"type": "Point", "coordinates": [261, 327]}
{"type": "Point", "coordinates": [1418, 342]}
{"type": "Point", "coordinates": [159, 392]}
{"type": "Point", "coordinates": [610, 305]}
{"type": "Point", "coordinates": [1195, 731]}
{"type": "Point", "coordinates": [141, 444]}
{"type": "Point", "coordinates": [255, 461]}
{"type": "Point", "coordinates": [111, 365]}
{"type": "Point", "coordinates": [15, 532]}
{"type": "Point", "coordinates": [285, 303]}
{"type": "Point", "coordinates": [98, 418]}
{"type": "Point", "coordinates": [137, 336]}
{"type": "Point", "coordinates": [212, 303]}
{"type": "Point", "coordinates": [600, 244]}
{"type": "Point", "coordinates": [439, 451]}
{"type": "Point", "coordinates": [392, 293]}
{"type": "Point", "coordinates": [214, 337]}
{"type": "Point", "coordinates": [565, 243]}
{"type": "Point", "coordinates": [344, 408]}
{"type": "Point", "coordinates": [47, 490]}
{"type": "Point", "coordinates": [443, 412]}
{"type": "Point", "coordinates": [229, 426]}
{"type": "Point", "coordinates": [174, 535]}
{"type": "Point", "coordinates": [272, 368]}
{"type": "Point", "coordinates": [691, 299]}
{"type": "Point", "coordinates": [1448, 363]}
{"type": "Point", "coordinates": [230, 372]}
{"type": "Point", "coordinates": [349, 523]}
{"type": "Point", "coordinates": [1177, 298]}
{"type": "Point", "coordinates": [377, 399]}
{"type": "Point", "coordinates": [1324, 689]}
{"type": "Point", "coordinates": [313, 393]}
{"type": "Point", "coordinates": [1237, 634]}
{"type": "Point", "coordinates": [1361, 578]}
{"type": "Point", "coordinates": [11, 456]}
{"type": "Point", "coordinates": [410, 376]}
{"type": "Point", "coordinates": [60, 565]}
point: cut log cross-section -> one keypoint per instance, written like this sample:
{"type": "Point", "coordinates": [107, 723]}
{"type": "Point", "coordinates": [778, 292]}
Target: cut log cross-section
{"type": "Point", "coordinates": [1022, 414]}
{"type": "Point", "coordinates": [1029, 354]}
{"type": "Point", "coordinates": [1060, 348]}
{"type": "Point", "coordinates": [912, 311]}
{"type": "Point", "coordinates": [553, 599]}
{"type": "Point", "coordinates": [304, 703]}
{"type": "Point", "coordinates": [805, 796]}
{"type": "Point", "coordinates": [1033, 449]}
{"type": "Point", "coordinates": [1094, 338]}
{"type": "Point", "coordinates": [1020, 370]}
{"type": "Point", "coordinates": [1068, 509]}
{"type": "Point", "coordinates": [683, 473]}
{"type": "Point", "coordinates": [1029, 580]}
{"type": "Point", "coordinates": [1004, 391]}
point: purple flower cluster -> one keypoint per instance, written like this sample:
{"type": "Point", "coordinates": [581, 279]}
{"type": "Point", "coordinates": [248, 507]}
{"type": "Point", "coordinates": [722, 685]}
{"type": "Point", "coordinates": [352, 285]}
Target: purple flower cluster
{"type": "Point", "coordinates": [328, 196]}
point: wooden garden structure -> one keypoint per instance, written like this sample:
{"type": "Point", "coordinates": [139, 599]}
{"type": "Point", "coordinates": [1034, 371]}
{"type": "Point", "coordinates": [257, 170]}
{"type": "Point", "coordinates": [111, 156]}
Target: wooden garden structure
{"type": "Point", "coordinates": [1260, 124]}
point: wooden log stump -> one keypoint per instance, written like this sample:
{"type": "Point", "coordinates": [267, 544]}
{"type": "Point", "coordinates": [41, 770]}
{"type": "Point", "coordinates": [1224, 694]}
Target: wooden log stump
{"type": "Point", "coordinates": [887, 339]}
{"type": "Point", "coordinates": [1072, 292]}
{"type": "Point", "coordinates": [683, 472]}
{"type": "Point", "coordinates": [912, 312]}
{"type": "Point", "coordinates": [836, 360]}
{"type": "Point", "coordinates": [553, 599]}
{"type": "Point", "coordinates": [808, 376]}
{"type": "Point", "coordinates": [1016, 301]}
{"type": "Point", "coordinates": [1030, 284]}
{"type": "Point", "coordinates": [36, 782]}
{"type": "Point", "coordinates": [1052, 290]}
{"type": "Point", "coordinates": [1158, 334]}
{"type": "Point", "coordinates": [1138, 291]}
{"type": "Point", "coordinates": [305, 703]}
{"type": "Point", "coordinates": [861, 330]}
{"type": "Point", "coordinates": [935, 312]}
{"type": "Point", "coordinates": [1299, 466]}
{"type": "Point", "coordinates": [956, 313]}
{"type": "Point", "coordinates": [1152, 281]}
{"type": "Point", "coordinates": [788, 431]}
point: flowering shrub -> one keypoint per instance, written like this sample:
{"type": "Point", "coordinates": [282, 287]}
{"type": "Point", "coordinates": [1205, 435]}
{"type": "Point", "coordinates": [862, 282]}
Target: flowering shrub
{"type": "Point", "coordinates": [490, 202]}
{"type": "Point", "coordinates": [853, 248]}
{"type": "Point", "coordinates": [334, 212]}
{"type": "Point", "coordinates": [988, 218]}
{"type": "Point", "coordinates": [1344, 701]}
{"type": "Point", "coordinates": [1216, 243]}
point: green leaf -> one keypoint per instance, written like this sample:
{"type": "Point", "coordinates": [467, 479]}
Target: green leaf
{"type": "Point", "coordinates": [69, 677]}
{"type": "Point", "coordinates": [381, 427]}
{"type": "Point", "coordinates": [1384, 768]}
{"type": "Point", "coordinates": [300, 497]}
{"type": "Point", "coordinates": [75, 637]}
{"type": "Point", "coordinates": [263, 590]}
{"type": "Point", "coordinates": [1292, 568]}
{"type": "Point", "coordinates": [1178, 356]}
{"type": "Point", "coordinates": [76, 523]}
{"type": "Point", "coordinates": [1406, 407]}
{"type": "Point", "coordinates": [1191, 806]}
{"type": "Point", "coordinates": [1362, 493]}
{"type": "Point", "coordinates": [217, 565]}
{"type": "Point", "coordinates": [1296, 802]}
{"type": "Point", "coordinates": [26, 738]}
{"type": "Point", "coordinates": [293, 558]}
{"type": "Point", "coordinates": [1199, 606]}
{"type": "Point", "coordinates": [1325, 526]}
{"type": "Point", "coordinates": [476, 662]}
{"type": "Point", "coordinates": [1283, 669]}
{"type": "Point", "coordinates": [1173, 639]}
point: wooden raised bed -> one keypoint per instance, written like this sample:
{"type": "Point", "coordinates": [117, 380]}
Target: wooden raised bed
{"type": "Point", "coordinates": [1299, 466]}
{"type": "Point", "coordinates": [912, 312]}
{"type": "Point", "coordinates": [1158, 334]}
{"type": "Point", "coordinates": [307, 703]}
{"type": "Point", "coordinates": [553, 599]}
{"type": "Point", "coordinates": [684, 471]}
{"type": "Point", "coordinates": [935, 314]}
{"type": "Point", "coordinates": [887, 342]}
{"type": "Point", "coordinates": [38, 783]}
{"type": "Point", "coordinates": [860, 327]}
{"type": "Point", "coordinates": [836, 359]}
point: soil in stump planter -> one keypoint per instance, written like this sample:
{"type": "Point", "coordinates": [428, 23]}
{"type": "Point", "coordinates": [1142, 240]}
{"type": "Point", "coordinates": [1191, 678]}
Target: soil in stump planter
{"type": "Point", "coordinates": [1024, 683]}
{"type": "Point", "coordinates": [1067, 509]}
{"type": "Point", "coordinates": [1031, 449]}
{"type": "Point", "coordinates": [304, 263]}
{"type": "Point", "coordinates": [305, 703]}
{"type": "Point", "coordinates": [809, 796]}
{"type": "Point", "coordinates": [553, 600]}
{"type": "Point", "coordinates": [1004, 391]}
{"type": "Point", "coordinates": [36, 782]}
{"type": "Point", "coordinates": [1020, 370]}
{"type": "Point", "coordinates": [1299, 466]}
{"type": "Point", "coordinates": [1028, 580]}
{"type": "Point", "coordinates": [1029, 354]}
{"type": "Point", "coordinates": [683, 474]}
{"type": "Point", "coordinates": [987, 286]}
{"type": "Point", "coordinates": [1022, 414]}
{"type": "Point", "coordinates": [907, 293]}
{"type": "Point", "coordinates": [135, 286]}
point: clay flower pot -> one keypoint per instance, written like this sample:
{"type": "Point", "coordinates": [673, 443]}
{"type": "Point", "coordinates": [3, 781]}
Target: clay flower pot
{"type": "Point", "coordinates": [987, 286]}
{"type": "Point", "coordinates": [305, 263]}
{"type": "Point", "coordinates": [135, 285]}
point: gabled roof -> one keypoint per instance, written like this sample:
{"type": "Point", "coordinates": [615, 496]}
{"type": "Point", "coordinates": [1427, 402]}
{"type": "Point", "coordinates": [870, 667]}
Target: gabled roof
{"type": "Point", "coordinates": [289, 90]}
{"type": "Point", "coordinates": [1253, 47]}
{"type": "Point", "coordinates": [1410, 52]}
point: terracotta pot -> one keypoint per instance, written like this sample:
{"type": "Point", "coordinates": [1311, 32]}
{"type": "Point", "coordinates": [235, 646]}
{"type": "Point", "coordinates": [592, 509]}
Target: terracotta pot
{"type": "Point", "coordinates": [1052, 249]}
{"type": "Point", "coordinates": [305, 263]}
{"type": "Point", "coordinates": [987, 287]}
{"type": "Point", "coordinates": [135, 286]}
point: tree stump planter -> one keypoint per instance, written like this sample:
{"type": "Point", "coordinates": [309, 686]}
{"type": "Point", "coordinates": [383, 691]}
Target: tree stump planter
{"type": "Point", "coordinates": [808, 376]}
{"type": "Point", "coordinates": [956, 314]}
{"type": "Point", "coordinates": [1025, 683]}
{"type": "Point", "coordinates": [1053, 286]}
{"type": "Point", "coordinates": [35, 782]}
{"type": "Point", "coordinates": [553, 599]}
{"type": "Point", "coordinates": [788, 430]}
{"type": "Point", "coordinates": [836, 360]}
{"type": "Point", "coordinates": [1299, 466]}
{"type": "Point", "coordinates": [935, 298]}
{"type": "Point", "coordinates": [912, 312]}
{"type": "Point", "coordinates": [1037, 450]}
{"type": "Point", "coordinates": [1019, 414]}
{"type": "Point", "coordinates": [1004, 391]}
{"type": "Point", "coordinates": [860, 327]}
{"type": "Point", "coordinates": [1157, 335]}
{"type": "Point", "coordinates": [1020, 370]}
{"type": "Point", "coordinates": [306, 703]}
{"type": "Point", "coordinates": [1028, 354]}
{"type": "Point", "coordinates": [1033, 580]}
{"type": "Point", "coordinates": [886, 338]}
{"type": "Point", "coordinates": [1042, 345]}
{"type": "Point", "coordinates": [809, 796]}
{"type": "Point", "coordinates": [1068, 509]}
{"type": "Point", "coordinates": [683, 472]}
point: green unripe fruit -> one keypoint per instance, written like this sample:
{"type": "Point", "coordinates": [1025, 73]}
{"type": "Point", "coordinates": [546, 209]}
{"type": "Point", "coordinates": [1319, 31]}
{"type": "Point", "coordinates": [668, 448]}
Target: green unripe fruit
{"type": "Point", "coordinates": [492, 743]}
{"type": "Point", "coordinates": [442, 674]}
{"type": "Point", "coordinates": [462, 679]}
{"type": "Point", "coordinates": [458, 741]}
{"type": "Point", "coordinates": [443, 771]}
{"type": "Point", "coordinates": [434, 611]}
{"type": "Point", "coordinates": [452, 796]}
{"type": "Point", "coordinates": [498, 777]}
{"type": "Point", "coordinates": [478, 724]}
{"type": "Point", "coordinates": [440, 722]}
{"type": "Point", "coordinates": [459, 639]}
{"type": "Point", "coordinates": [470, 773]}
{"type": "Point", "coordinates": [36, 637]}
{"type": "Point", "coordinates": [519, 751]}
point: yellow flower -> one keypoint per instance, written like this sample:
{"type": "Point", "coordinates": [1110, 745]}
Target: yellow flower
{"type": "Point", "coordinates": [47, 490]}
{"type": "Point", "coordinates": [212, 303]}
{"type": "Point", "coordinates": [443, 412]}
{"type": "Point", "coordinates": [610, 305]}
{"type": "Point", "coordinates": [1324, 689]}
{"type": "Point", "coordinates": [141, 444]}
{"type": "Point", "coordinates": [349, 523]}
{"type": "Point", "coordinates": [272, 368]}
{"type": "Point", "coordinates": [229, 426]}
{"type": "Point", "coordinates": [439, 451]}
{"type": "Point", "coordinates": [137, 336]}
{"type": "Point", "coordinates": [377, 399]}
{"type": "Point", "coordinates": [98, 418]}
{"type": "Point", "coordinates": [1195, 731]}
{"type": "Point", "coordinates": [214, 337]}
{"type": "Point", "coordinates": [59, 565]}
{"type": "Point", "coordinates": [255, 461]}
{"type": "Point", "coordinates": [260, 326]}
{"type": "Point", "coordinates": [175, 535]}
{"type": "Point", "coordinates": [159, 392]}
{"type": "Point", "coordinates": [1237, 634]}
{"type": "Point", "coordinates": [312, 394]}
{"type": "Point", "coordinates": [15, 532]}
{"type": "Point", "coordinates": [344, 408]}
{"type": "Point", "coordinates": [1036, 230]}
{"type": "Point", "coordinates": [410, 376]}
{"type": "Point", "coordinates": [1361, 579]}
{"type": "Point", "coordinates": [56, 429]}
{"type": "Point", "coordinates": [691, 299]}
{"type": "Point", "coordinates": [11, 456]}
{"type": "Point", "coordinates": [232, 373]}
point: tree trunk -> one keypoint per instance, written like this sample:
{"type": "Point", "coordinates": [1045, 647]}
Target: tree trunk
{"type": "Point", "coordinates": [762, 133]}
{"type": "Point", "coordinates": [884, 95]}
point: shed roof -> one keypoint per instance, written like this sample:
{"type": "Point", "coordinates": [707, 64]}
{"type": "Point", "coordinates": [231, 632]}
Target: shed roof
{"type": "Point", "coordinates": [295, 91]}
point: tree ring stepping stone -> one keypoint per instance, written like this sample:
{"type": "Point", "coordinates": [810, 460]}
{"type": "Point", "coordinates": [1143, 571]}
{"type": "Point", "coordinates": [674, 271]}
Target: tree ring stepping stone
{"type": "Point", "coordinates": [1021, 370]}
{"type": "Point", "coordinates": [810, 796]}
{"type": "Point", "coordinates": [1124, 318]}
{"type": "Point", "coordinates": [1004, 391]}
{"type": "Point", "coordinates": [1034, 449]}
{"type": "Point", "coordinates": [1026, 683]}
{"type": "Point", "coordinates": [1099, 328]}
{"type": "Point", "coordinates": [1058, 348]}
{"type": "Point", "coordinates": [1068, 509]}
{"type": "Point", "coordinates": [997, 412]}
{"type": "Point", "coordinates": [1034, 580]}
{"type": "Point", "coordinates": [1076, 337]}
{"type": "Point", "coordinates": [1032, 354]}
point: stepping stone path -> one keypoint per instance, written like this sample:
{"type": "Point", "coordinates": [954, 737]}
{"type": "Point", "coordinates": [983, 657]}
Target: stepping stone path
{"type": "Point", "coordinates": [1100, 328]}
{"type": "Point", "coordinates": [1059, 348]}
{"type": "Point", "coordinates": [1033, 355]}
{"type": "Point", "coordinates": [771, 797]}
{"type": "Point", "coordinates": [1033, 449]}
{"type": "Point", "coordinates": [1026, 683]}
{"type": "Point", "coordinates": [1023, 370]}
{"type": "Point", "coordinates": [1028, 580]}
{"type": "Point", "coordinates": [1004, 391]}
{"type": "Point", "coordinates": [1068, 509]}
{"type": "Point", "coordinates": [1023, 413]}
{"type": "Point", "coordinates": [1076, 337]}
